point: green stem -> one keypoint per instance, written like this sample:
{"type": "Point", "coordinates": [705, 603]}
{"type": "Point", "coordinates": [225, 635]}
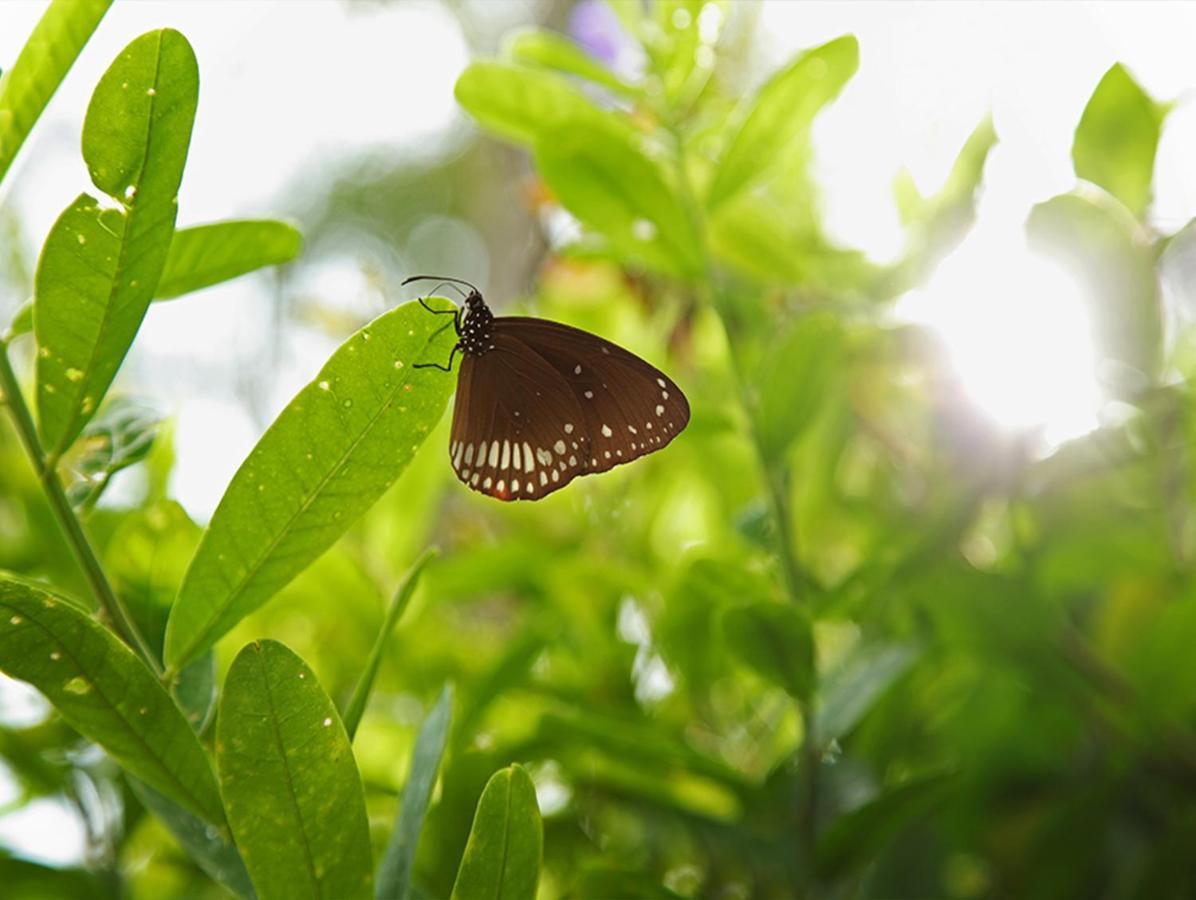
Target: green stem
{"type": "Point", "coordinates": [776, 482]}
{"type": "Point", "coordinates": [47, 474]}
{"type": "Point", "coordinates": [365, 685]}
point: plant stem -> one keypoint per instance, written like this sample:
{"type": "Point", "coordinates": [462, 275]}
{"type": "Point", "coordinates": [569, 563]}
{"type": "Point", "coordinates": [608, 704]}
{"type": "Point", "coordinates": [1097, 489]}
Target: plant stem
{"type": "Point", "coordinates": [776, 481]}
{"type": "Point", "coordinates": [47, 474]}
{"type": "Point", "coordinates": [365, 685]}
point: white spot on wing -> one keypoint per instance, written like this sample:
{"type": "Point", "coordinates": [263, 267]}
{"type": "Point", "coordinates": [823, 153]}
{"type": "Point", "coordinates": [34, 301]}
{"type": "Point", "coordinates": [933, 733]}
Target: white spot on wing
{"type": "Point", "coordinates": [568, 428]}
{"type": "Point", "coordinates": [589, 395]}
{"type": "Point", "coordinates": [543, 457]}
{"type": "Point", "coordinates": [559, 447]}
{"type": "Point", "coordinates": [556, 476]}
{"type": "Point", "coordinates": [661, 382]}
{"type": "Point", "coordinates": [659, 410]}
{"type": "Point", "coordinates": [506, 455]}
{"type": "Point", "coordinates": [543, 478]}
{"type": "Point", "coordinates": [606, 432]}
{"type": "Point", "coordinates": [494, 455]}
{"type": "Point", "coordinates": [469, 455]}
{"type": "Point", "coordinates": [577, 370]}
{"type": "Point", "coordinates": [529, 461]}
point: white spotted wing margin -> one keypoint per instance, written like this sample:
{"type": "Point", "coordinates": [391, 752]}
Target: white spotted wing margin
{"type": "Point", "coordinates": [550, 403]}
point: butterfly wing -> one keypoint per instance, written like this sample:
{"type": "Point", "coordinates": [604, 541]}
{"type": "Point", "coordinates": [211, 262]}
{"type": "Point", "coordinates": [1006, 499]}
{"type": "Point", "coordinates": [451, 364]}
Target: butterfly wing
{"type": "Point", "coordinates": [517, 428]}
{"type": "Point", "coordinates": [628, 407]}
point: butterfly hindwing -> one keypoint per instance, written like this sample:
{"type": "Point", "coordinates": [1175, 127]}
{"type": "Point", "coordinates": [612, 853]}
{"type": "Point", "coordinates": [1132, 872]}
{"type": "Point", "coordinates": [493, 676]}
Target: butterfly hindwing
{"type": "Point", "coordinates": [628, 407]}
{"type": "Point", "coordinates": [517, 428]}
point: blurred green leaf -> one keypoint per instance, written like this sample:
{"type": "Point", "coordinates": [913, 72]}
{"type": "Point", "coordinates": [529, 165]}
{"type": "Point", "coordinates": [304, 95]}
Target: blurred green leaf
{"type": "Point", "coordinates": [47, 56]}
{"type": "Point", "coordinates": [938, 223]}
{"type": "Point", "coordinates": [603, 178]}
{"type": "Point", "coordinates": [327, 458]}
{"type": "Point", "coordinates": [1116, 139]}
{"type": "Point", "coordinates": [855, 838]}
{"type": "Point", "coordinates": [210, 254]}
{"type": "Point", "coordinates": [394, 872]}
{"type": "Point", "coordinates": [1100, 243]}
{"type": "Point", "coordinates": [208, 846]}
{"type": "Point", "coordinates": [119, 437]}
{"type": "Point", "coordinates": [398, 603]}
{"type": "Point", "coordinates": [99, 268]}
{"type": "Point", "coordinates": [524, 105]}
{"type": "Point", "coordinates": [552, 51]}
{"type": "Point", "coordinates": [502, 859]}
{"type": "Point", "coordinates": [850, 690]}
{"type": "Point", "coordinates": [22, 322]}
{"type": "Point", "coordinates": [289, 780]}
{"type": "Point", "coordinates": [774, 640]}
{"type": "Point", "coordinates": [26, 880]}
{"type": "Point", "coordinates": [105, 692]}
{"type": "Point", "coordinates": [795, 379]}
{"type": "Point", "coordinates": [780, 116]}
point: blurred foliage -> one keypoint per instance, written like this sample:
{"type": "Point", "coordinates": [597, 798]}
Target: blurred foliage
{"type": "Point", "coordinates": [843, 638]}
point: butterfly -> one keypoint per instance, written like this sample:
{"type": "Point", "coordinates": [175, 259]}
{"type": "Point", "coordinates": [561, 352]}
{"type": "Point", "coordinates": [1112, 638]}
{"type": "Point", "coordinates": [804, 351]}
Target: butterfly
{"type": "Point", "coordinates": [540, 403]}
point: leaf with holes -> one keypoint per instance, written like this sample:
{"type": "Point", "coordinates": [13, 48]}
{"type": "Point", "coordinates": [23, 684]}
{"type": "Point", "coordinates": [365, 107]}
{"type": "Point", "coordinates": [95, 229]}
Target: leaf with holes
{"type": "Point", "coordinates": [47, 56]}
{"type": "Point", "coordinates": [290, 784]}
{"type": "Point", "coordinates": [211, 254]}
{"type": "Point", "coordinates": [105, 692]}
{"type": "Point", "coordinates": [329, 455]}
{"type": "Point", "coordinates": [100, 267]}
{"type": "Point", "coordinates": [394, 872]}
{"type": "Point", "coordinates": [121, 436]}
{"type": "Point", "coordinates": [502, 858]}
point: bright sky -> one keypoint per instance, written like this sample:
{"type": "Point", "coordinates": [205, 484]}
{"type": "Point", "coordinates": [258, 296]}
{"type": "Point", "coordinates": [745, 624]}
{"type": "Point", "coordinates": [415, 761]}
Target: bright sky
{"type": "Point", "coordinates": [289, 87]}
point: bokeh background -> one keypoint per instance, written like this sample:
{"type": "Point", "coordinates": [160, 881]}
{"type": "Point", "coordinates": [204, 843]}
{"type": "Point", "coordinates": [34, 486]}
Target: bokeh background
{"type": "Point", "coordinates": [991, 528]}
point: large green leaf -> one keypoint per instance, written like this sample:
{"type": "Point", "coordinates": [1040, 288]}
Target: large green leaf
{"type": "Point", "coordinates": [208, 847]}
{"type": "Point", "coordinates": [290, 784]}
{"type": "Point", "coordinates": [100, 267]}
{"type": "Point", "coordinates": [603, 177]}
{"type": "Point", "coordinates": [209, 254]}
{"type": "Point", "coordinates": [47, 56]}
{"type": "Point", "coordinates": [775, 640]}
{"type": "Point", "coordinates": [1117, 137]}
{"type": "Point", "coordinates": [1098, 240]}
{"type": "Point", "coordinates": [105, 692]}
{"type": "Point", "coordinates": [394, 872]}
{"type": "Point", "coordinates": [502, 858]}
{"type": "Point", "coordinates": [795, 379]}
{"type": "Point", "coordinates": [781, 114]}
{"type": "Point", "coordinates": [329, 455]}
{"type": "Point", "coordinates": [521, 104]}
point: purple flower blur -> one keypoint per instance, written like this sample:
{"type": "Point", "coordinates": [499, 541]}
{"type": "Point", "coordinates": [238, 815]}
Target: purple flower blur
{"type": "Point", "coordinates": [599, 32]}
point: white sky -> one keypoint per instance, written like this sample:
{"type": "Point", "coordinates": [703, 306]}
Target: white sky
{"type": "Point", "coordinates": [288, 86]}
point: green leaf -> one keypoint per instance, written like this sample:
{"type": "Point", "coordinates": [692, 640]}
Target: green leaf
{"type": "Point", "coordinates": [207, 846]}
{"type": "Point", "coordinates": [606, 181]}
{"type": "Point", "coordinates": [1117, 137]}
{"type": "Point", "coordinates": [290, 784]}
{"type": "Point", "coordinates": [937, 224]}
{"type": "Point", "coordinates": [99, 268]}
{"type": "Point", "coordinates": [781, 114]}
{"type": "Point", "coordinates": [365, 685]}
{"type": "Point", "coordinates": [774, 640]}
{"type": "Point", "coordinates": [795, 379]}
{"type": "Point", "coordinates": [552, 51]}
{"type": "Point", "coordinates": [521, 104]}
{"type": "Point", "coordinates": [121, 436]}
{"type": "Point", "coordinates": [1101, 243]}
{"type": "Point", "coordinates": [22, 321]}
{"type": "Point", "coordinates": [104, 692]}
{"type": "Point", "coordinates": [856, 838]}
{"type": "Point", "coordinates": [210, 254]}
{"type": "Point", "coordinates": [394, 872]}
{"type": "Point", "coordinates": [45, 59]}
{"type": "Point", "coordinates": [329, 455]}
{"type": "Point", "coordinates": [849, 692]}
{"type": "Point", "coordinates": [502, 858]}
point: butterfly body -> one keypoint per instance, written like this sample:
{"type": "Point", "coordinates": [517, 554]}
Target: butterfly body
{"type": "Point", "coordinates": [540, 403]}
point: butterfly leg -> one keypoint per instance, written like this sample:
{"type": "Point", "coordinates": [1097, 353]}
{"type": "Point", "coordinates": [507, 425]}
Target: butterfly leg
{"type": "Point", "coordinates": [439, 312]}
{"type": "Point", "coordinates": [447, 368]}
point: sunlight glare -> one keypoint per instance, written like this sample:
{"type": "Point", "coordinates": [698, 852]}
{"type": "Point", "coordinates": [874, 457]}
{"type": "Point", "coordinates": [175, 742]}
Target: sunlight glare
{"type": "Point", "coordinates": [1017, 335]}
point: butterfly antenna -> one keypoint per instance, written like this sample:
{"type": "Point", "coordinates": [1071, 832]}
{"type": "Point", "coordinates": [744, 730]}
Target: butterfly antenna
{"type": "Point", "coordinates": [443, 278]}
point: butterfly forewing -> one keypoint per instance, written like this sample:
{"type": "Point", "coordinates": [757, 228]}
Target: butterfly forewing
{"type": "Point", "coordinates": [517, 428]}
{"type": "Point", "coordinates": [628, 407]}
